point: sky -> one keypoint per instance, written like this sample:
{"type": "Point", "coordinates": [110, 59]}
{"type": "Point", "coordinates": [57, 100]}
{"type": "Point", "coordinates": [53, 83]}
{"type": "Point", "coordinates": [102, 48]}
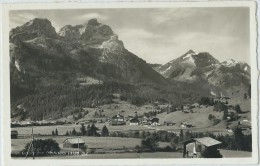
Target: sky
{"type": "Point", "coordinates": [159, 35]}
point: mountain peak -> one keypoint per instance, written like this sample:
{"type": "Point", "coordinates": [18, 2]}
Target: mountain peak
{"type": "Point", "coordinates": [33, 28]}
{"type": "Point", "coordinates": [93, 22]}
{"type": "Point", "coordinates": [38, 21]}
{"type": "Point", "coordinates": [190, 52]}
{"type": "Point", "coordinates": [113, 45]}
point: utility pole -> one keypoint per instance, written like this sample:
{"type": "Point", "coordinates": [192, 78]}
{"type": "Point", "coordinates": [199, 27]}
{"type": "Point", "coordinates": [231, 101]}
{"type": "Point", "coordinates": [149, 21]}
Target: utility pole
{"type": "Point", "coordinates": [78, 145]}
{"type": "Point", "coordinates": [31, 145]}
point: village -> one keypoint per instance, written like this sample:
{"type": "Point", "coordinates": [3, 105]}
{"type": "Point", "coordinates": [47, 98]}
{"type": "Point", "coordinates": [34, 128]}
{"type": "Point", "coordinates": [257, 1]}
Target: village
{"type": "Point", "coordinates": [125, 121]}
{"type": "Point", "coordinates": [122, 113]}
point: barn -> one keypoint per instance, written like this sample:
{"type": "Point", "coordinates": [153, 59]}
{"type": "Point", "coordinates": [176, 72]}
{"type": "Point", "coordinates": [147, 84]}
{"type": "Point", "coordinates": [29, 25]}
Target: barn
{"type": "Point", "coordinates": [73, 143]}
{"type": "Point", "coordinates": [134, 121]}
{"type": "Point", "coordinates": [201, 147]}
{"type": "Point", "coordinates": [155, 121]}
{"type": "Point", "coordinates": [169, 123]}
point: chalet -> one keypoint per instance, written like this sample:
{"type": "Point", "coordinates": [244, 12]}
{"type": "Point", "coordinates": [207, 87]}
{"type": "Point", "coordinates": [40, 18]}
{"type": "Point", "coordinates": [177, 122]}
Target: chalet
{"type": "Point", "coordinates": [154, 121]}
{"type": "Point", "coordinates": [149, 107]}
{"type": "Point", "coordinates": [245, 126]}
{"type": "Point", "coordinates": [200, 147]}
{"type": "Point", "coordinates": [119, 118]}
{"type": "Point", "coordinates": [73, 143]}
{"type": "Point", "coordinates": [145, 120]}
{"type": "Point", "coordinates": [186, 125]}
{"type": "Point", "coordinates": [14, 134]}
{"type": "Point", "coordinates": [186, 111]}
{"type": "Point", "coordinates": [16, 122]}
{"type": "Point", "coordinates": [169, 123]}
{"type": "Point", "coordinates": [134, 121]}
{"type": "Point", "coordinates": [229, 130]}
{"type": "Point", "coordinates": [128, 117]}
{"type": "Point", "coordinates": [117, 95]}
{"type": "Point", "coordinates": [164, 106]}
{"type": "Point", "coordinates": [195, 105]}
{"type": "Point", "coordinates": [186, 107]}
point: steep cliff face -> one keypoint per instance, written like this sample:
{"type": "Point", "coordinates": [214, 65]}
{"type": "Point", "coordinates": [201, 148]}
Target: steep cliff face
{"type": "Point", "coordinates": [91, 33]}
{"type": "Point", "coordinates": [32, 29]}
{"type": "Point", "coordinates": [39, 54]}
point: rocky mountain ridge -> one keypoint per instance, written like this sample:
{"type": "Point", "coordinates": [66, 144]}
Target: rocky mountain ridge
{"type": "Point", "coordinates": [203, 67]}
{"type": "Point", "coordinates": [37, 53]}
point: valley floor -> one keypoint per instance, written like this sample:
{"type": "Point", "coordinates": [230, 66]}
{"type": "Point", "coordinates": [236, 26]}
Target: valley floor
{"type": "Point", "coordinates": [111, 148]}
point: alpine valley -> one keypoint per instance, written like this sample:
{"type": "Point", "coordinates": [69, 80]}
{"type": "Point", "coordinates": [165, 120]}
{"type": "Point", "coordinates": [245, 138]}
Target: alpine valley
{"type": "Point", "coordinates": [84, 66]}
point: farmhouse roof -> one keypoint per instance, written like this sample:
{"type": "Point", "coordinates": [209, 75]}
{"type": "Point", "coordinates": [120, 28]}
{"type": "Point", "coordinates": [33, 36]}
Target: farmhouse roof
{"type": "Point", "coordinates": [155, 120]}
{"type": "Point", "coordinates": [74, 140]}
{"type": "Point", "coordinates": [207, 141]}
{"type": "Point", "coordinates": [134, 120]}
{"type": "Point", "coordinates": [195, 104]}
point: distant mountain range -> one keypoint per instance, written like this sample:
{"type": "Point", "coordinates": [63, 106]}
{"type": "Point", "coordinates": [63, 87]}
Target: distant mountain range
{"type": "Point", "coordinates": [40, 57]}
{"type": "Point", "coordinates": [203, 67]}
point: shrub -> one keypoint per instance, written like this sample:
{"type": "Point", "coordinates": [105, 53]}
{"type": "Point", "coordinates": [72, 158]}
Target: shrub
{"type": "Point", "coordinates": [42, 147]}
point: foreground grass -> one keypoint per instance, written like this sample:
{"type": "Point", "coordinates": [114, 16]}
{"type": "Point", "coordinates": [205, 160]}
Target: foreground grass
{"type": "Point", "coordinates": [91, 142]}
{"type": "Point", "coordinates": [234, 153]}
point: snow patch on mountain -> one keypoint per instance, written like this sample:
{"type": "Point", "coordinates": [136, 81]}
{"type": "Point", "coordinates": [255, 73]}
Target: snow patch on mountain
{"type": "Point", "coordinates": [230, 63]}
{"type": "Point", "coordinates": [187, 56]}
{"type": "Point", "coordinates": [17, 66]}
{"type": "Point", "coordinates": [172, 61]}
{"type": "Point", "coordinates": [188, 59]}
{"type": "Point", "coordinates": [166, 70]}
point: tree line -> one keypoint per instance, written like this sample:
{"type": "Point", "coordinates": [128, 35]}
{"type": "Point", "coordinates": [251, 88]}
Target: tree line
{"type": "Point", "coordinates": [150, 140]}
{"type": "Point", "coordinates": [53, 101]}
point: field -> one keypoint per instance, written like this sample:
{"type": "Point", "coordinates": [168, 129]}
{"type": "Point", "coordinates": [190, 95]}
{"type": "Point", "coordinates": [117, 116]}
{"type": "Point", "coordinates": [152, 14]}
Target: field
{"type": "Point", "coordinates": [233, 153]}
{"type": "Point", "coordinates": [62, 129]}
{"type": "Point", "coordinates": [46, 130]}
{"type": "Point", "coordinates": [117, 156]}
{"type": "Point", "coordinates": [114, 147]}
{"type": "Point", "coordinates": [91, 142]}
{"type": "Point", "coordinates": [127, 155]}
{"type": "Point", "coordinates": [116, 143]}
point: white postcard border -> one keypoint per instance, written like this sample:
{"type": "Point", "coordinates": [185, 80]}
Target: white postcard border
{"type": "Point", "coordinates": [6, 142]}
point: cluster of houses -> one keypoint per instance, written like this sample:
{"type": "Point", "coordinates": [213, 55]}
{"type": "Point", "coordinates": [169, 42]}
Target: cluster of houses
{"type": "Point", "coordinates": [186, 125]}
{"type": "Point", "coordinates": [133, 120]}
{"type": "Point", "coordinates": [188, 108]}
{"type": "Point", "coordinates": [37, 123]}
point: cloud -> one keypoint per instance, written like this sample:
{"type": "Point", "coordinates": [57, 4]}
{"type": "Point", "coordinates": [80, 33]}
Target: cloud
{"type": "Point", "coordinates": [203, 38]}
{"type": "Point", "coordinates": [135, 33]}
{"type": "Point", "coordinates": [160, 16]}
{"type": "Point", "coordinates": [18, 19]}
